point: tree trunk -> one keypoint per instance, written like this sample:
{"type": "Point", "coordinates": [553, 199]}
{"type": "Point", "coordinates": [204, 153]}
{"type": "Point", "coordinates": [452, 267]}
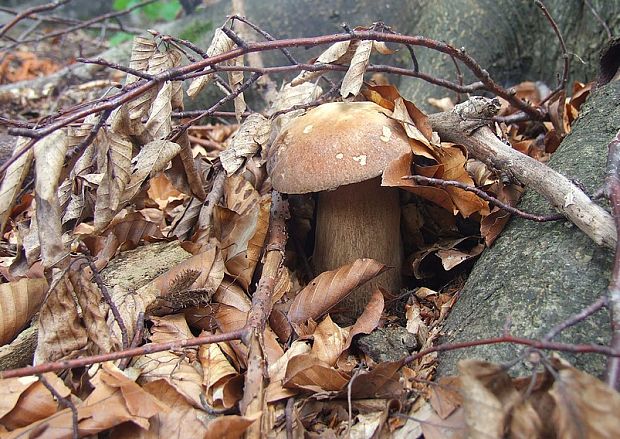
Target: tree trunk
{"type": "Point", "coordinates": [539, 274]}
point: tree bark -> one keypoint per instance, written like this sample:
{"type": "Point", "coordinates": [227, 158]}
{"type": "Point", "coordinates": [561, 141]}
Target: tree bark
{"type": "Point", "coordinates": [537, 275]}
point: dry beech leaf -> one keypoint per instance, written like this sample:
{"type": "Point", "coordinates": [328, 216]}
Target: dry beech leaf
{"type": "Point", "coordinates": [446, 396]}
{"type": "Point", "coordinates": [159, 123]}
{"type": "Point", "coordinates": [453, 257]}
{"type": "Point", "coordinates": [415, 323]}
{"type": "Point", "coordinates": [139, 107]}
{"type": "Point", "coordinates": [231, 294]}
{"type": "Point", "coordinates": [382, 381]}
{"type": "Point", "coordinates": [61, 333]}
{"type": "Point", "coordinates": [19, 301]}
{"type": "Point", "coordinates": [221, 380]}
{"type": "Point", "coordinates": [354, 78]}
{"type": "Point", "coordinates": [162, 192]}
{"type": "Point", "coordinates": [233, 426]}
{"type": "Point", "coordinates": [402, 114]}
{"type": "Point", "coordinates": [584, 406]}
{"type": "Point", "coordinates": [94, 310]}
{"type": "Point", "coordinates": [230, 318]}
{"type": "Point", "coordinates": [370, 318]}
{"type": "Point", "coordinates": [493, 405]}
{"type": "Point", "coordinates": [26, 400]}
{"type": "Point", "coordinates": [330, 287]}
{"type": "Point", "coordinates": [142, 50]}
{"type": "Point", "coordinates": [49, 154]}
{"type": "Point", "coordinates": [116, 399]}
{"type": "Point", "coordinates": [169, 328]}
{"type": "Point", "coordinates": [290, 96]}
{"type": "Point", "coordinates": [173, 369]}
{"type": "Point", "coordinates": [116, 150]}
{"type": "Point", "coordinates": [152, 158]}
{"type": "Point", "coordinates": [179, 420]}
{"type": "Point", "coordinates": [329, 341]}
{"type": "Point", "coordinates": [129, 230]}
{"type": "Point", "coordinates": [340, 53]}
{"type": "Point", "coordinates": [244, 237]}
{"type": "Point", "coordinates": [389, 97]}
{"type": "Point", "coordinates": [235, 79]}
{"type": "Point", "coordinates": [13, 178]}
{"type": "Point", "coordinates": [130, 304]}
{"type": "Point", "coordinates": [277, 371]}
{"type": "Point", "coordinates": [219, 44]}
{"type": "Point", "coordinates": [309, 373]}
{"type": "Point", "coordinates": [246, 142]}
{"type": "Point", "coordinates": [451, 167]}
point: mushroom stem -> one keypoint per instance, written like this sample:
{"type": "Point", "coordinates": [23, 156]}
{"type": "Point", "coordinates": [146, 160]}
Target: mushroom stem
{"type": "Point", "coordinates": [360, 220]}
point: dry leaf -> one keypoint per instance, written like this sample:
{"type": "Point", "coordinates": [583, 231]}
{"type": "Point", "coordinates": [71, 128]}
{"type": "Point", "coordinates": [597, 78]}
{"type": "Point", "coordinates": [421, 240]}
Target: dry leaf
{"type": "Point", "coordinates": [223, 388]}
{"type": "Point", "coordinates": [383, 381]}
{"type": "Point", "coordinates": [115, 400]}
{"type": "Point", "coordinates": [25, 400]}
{"type": "Point", "coordinates": [19, 301]}
{"type": "Point", "coordinates": [152, 158]}
{"type": "Point", "coordinates": [354, 78]}
{"type": "Point", "coordinates": [174, 370]}
{"type": "Point", "coordinates": [329, 341]}
{"type": "Point", "coordinates": [338, 53]}
{"type": "Point", "coordinates": [13, 178]}
{"type": "Point", "coordinates": [370, 318]}
{"type": "Point", "coordinates": [584, 406]}
{"type": "Point", "coordinates": [116, 150]}
{"type": "Point", "coordinates": [253, 133]}
{"type": "Point", "coordinates": [179, 419]}
{"type": "Point", "coordinates": [309, 373]}
{"type": "Point", "coordinates": [142, 50]}
{"type": "Point", "coordinates": [219, 44]}
{"type": "Point", "coordinates": [492, 404]}
{"type": "Point", "coordinates": [94, 309]}
{"type": "Point", "coordinates": [159, 123]}
{"type": "Point", "coordinates": [331, 287]}
{"type": "Point", "coordinates": [61, 334]}
{"type": "Point", "coordinates": [49, 154]}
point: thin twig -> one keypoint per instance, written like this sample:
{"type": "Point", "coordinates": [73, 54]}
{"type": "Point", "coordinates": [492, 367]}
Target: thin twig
{"type": "Point", "coordinates": [105, 294]}
{"type": "Point", "coordinates": [111, 356]}
{"type": "Point", "coordinates": [265, 34]}
{"type": "Point", "coordinates": [70, 21]}
{"type": "Point", "coordinates": [542, 345]}
{"type": "Point", "coordinates": [46, 7]}
{"type": "Point", "coordinates": [288, 413]}
{"type": "Point", "coordinates": [115, 66]}
{"type": "Point", "coordinates": [601, 302]}
{"type": "Point", "coordinates": [482, 194]}
{"type": "Point", "coordinates": [103, 117]}
{"type": "Point", "coordinates": [613, 185]}
{"type": "Point", "coordinates": [65, 402]}
{"type": "Point", "coordinates": [83, 24]}
{"type": "Point", "coordinates": [564, 78]}
{"type": "Point", "coordinates": [599, 19]}
{"type": "Point", "coordinates": [137, 339]}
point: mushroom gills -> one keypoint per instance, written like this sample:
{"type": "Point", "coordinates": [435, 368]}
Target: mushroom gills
{"type": "Point", "coordinates": [360, 220]}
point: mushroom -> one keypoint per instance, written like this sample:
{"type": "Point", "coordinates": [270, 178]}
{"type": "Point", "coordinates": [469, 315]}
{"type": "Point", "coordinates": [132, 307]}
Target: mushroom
{"type": "Point", "coordinates": [340, 150]}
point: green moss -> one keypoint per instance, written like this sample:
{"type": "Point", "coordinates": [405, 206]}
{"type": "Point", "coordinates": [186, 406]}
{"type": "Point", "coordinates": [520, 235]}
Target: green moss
{"type": "Point", "coordinates": [196, 30]}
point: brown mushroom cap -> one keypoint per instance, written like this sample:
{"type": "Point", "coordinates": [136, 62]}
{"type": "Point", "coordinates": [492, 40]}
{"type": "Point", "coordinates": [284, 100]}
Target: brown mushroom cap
{"type": "Point", "coordinates": [333, 145]}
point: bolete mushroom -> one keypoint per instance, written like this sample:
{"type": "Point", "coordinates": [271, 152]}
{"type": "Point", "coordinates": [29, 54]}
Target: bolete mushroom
{"type": "Point", "coordinates": [340, 150]}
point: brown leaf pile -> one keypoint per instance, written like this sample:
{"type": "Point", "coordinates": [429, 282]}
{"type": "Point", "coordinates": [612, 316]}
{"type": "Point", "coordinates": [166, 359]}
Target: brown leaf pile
{"type": "Point", "coordinates": [139, 183]}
